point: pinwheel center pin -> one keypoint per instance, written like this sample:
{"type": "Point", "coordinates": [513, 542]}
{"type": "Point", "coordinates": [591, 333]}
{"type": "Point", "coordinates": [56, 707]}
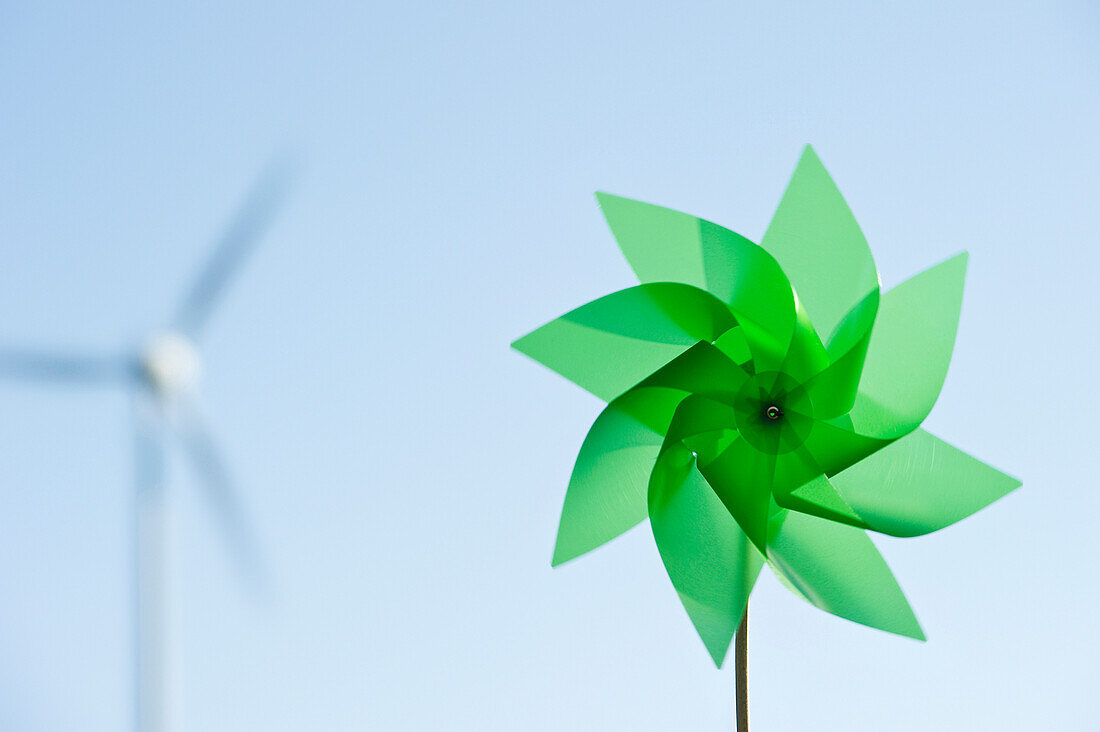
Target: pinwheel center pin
{"type": "Point", "coordinates": [773, 412]}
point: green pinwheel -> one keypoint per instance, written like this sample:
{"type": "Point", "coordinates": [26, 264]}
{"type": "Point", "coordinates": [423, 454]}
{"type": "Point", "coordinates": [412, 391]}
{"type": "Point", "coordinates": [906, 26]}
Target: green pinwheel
{"type": "Point", "coordinates": [742, 434]}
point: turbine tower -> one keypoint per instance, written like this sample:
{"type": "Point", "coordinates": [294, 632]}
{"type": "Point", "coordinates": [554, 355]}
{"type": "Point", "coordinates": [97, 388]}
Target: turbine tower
{"type": "Point", "coordinates": [162, 377]}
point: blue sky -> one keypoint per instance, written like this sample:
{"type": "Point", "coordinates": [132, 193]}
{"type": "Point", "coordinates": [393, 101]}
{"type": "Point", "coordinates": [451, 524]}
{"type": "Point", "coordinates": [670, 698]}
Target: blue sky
{"type": "Point", "coordinates": [403, 469]}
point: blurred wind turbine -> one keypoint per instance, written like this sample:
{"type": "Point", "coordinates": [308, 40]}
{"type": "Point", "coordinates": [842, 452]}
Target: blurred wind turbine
{"type": "Point", "coordinates": [163, 378]}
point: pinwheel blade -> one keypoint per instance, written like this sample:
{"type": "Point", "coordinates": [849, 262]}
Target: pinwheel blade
{"type": "Point", "coordinates": [663, 245]}
{"type": "Point", "coordinates": [833, 390]}
{"type": "Point", "coordinates": [819, 245]}
{"type": "Point", "coordinates": [711, 563]}
{"type": "Point", "coordinates": [607, 491]}
{"type": "Point", "coordinates": [704, 426]}
{"type": "Point", "coordinates": [222, 497]}
{"type": "Point", "coordinates": [806, 354]}
{"type": "Point", "coordinates": [612, 343]}
{"type": "Point", "coordinates": [740, 476]}
{"type": "Point", "coordinates": [819, 498]}
{"type": "Point", "coordinates": [833, 445]}
{"type": "Point", "coordinates": [703, 369]}
{"type": "Point", "coordinates": [65, 368]}
{"type": "Point", "coordinates": [910, 349]}
{"type": "Point", "coordinates": [919, 484]}
{"type": "Point", "coordinates": [231, 251]}
{"type": "Point", "coordinates": [836, 568]}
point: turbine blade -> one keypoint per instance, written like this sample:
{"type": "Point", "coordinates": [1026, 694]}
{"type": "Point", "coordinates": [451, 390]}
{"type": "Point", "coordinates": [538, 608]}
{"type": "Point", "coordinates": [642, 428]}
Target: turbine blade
{"type": "Point", "coordinates": [63, 367]}
{"type": "Point", "coordinates": [210, 468]}
{"type": "Point", "coordinates": [235, 245]}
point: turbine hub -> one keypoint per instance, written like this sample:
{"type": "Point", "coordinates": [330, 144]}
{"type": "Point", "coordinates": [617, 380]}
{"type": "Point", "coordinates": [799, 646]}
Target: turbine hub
{"type": "Point", "coordinates": [171, 363]}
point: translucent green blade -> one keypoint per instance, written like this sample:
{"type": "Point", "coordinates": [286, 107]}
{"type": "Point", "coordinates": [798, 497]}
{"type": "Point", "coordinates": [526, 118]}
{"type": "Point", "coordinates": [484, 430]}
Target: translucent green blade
{"type": "Point", "coordinates": [805, 355]}
{"type": "Point", "coordinates": [816, 240]}
{"type": "Point", "coordinates": [612, 343]}
{"type": "Point", "coordinates": [711, 562]}
{"type": "Point", "coordinates": [741, 476]}
{"type": "Point", "coordinates": [663, 245]}
{"type": "Point", "coordinates": [836, 568]}
{"type": "Point", "coordinates": [819, 498]}
{"type": "Point", "coordinates": [751, 282]}
{"type": "Point", "coordinates": [833, 390]}
{"type": "Point", "coordinates": [660, 244]}
{"type": "Point", "coordinates": [702, 425]}
{"type": "Point", "coordinates": [792, 470]}
{"type": "Point", "coordinates": [704, 370]}
{"type": "Point", "coordinates": [910, 350]}
{"type": "Point", "coordinates": [735, 345]}
{"type": "Point", "coordinates": [835, 446]}
{"type": "Point", "coordinates": [607, 491]}
{"type": "Point", "coordinates": [919, 484]}
{"type": "Point", "coordinates": [800, 482]}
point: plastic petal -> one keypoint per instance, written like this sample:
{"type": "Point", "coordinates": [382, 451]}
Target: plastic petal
{"type": "Point", "coordinates": [816, 240]}
{"type": "Point", "coordinates": [835, 447]}
{"type": "Point", "coordinates": [612, 343]}
{"type": "Point", "coordinates": [704, 426]}
{"type": "Point", "coordinates": [837, 568]}
{"type": "Point", "coordinates": [711, 562]}
{"type": "Point", "coordinates": [819, 498]}
{"type": "Point", "coordinates": [919, 484]}
{"type": "Point", "coordinates": [910, 350]}
{"type": "Point", "coordinates": [607, 491]}
{"type": "Point", "coordinates": [663, 245]}
{"type": "Point", "coordinates": [704, 370]}
{"type": "Point", "coordinates": [833, 390]}
{"type": "Point", "coordinates": [805, 354]}
{"type": "Point", "coordinates": [741, 476]}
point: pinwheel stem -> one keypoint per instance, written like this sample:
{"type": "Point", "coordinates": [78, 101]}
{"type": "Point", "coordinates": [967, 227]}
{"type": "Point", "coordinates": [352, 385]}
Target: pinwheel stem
{"type": "Point", "coordinates": [741, 672]}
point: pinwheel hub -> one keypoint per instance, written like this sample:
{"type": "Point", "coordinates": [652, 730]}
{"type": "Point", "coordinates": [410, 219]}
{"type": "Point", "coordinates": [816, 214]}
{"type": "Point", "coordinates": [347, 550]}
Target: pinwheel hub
{"type": "Point", "coordinates": [171, 363]}
{"type": "Point", "coordinates": [773, 412]}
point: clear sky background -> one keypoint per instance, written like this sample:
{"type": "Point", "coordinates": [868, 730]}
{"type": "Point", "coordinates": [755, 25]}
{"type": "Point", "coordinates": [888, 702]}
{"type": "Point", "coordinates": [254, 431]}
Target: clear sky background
{"type": "Point", "coordinates": [404, 469]}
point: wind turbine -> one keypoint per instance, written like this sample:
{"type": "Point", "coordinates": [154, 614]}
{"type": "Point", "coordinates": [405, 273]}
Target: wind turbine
{"type": "Point", "coordinates": [163, 378]}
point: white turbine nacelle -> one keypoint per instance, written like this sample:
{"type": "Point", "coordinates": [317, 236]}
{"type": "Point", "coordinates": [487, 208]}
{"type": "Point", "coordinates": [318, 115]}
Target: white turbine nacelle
{"type": "Point", "coordinates": [171, 364]}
